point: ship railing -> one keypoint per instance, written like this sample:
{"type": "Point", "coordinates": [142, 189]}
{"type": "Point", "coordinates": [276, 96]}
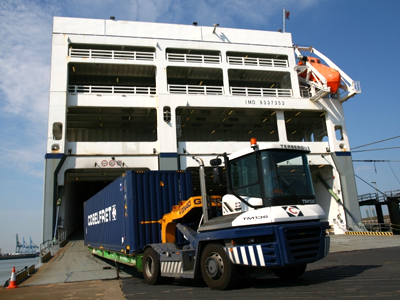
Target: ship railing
{"type": "Point", "coordinates": [395, 228]}
{"type": "Point", "coordinates": [45, 246]}
{"type": "Point", "coordinates": [193, 58]}
{"type": "Point", "coordinates": [195, 89]}
{"type": "Point", "coordinates": [111, 54]}
{"type": "Point", "coordinates": [379, 197]}
{"type": "Point", "coordinates": [51, 245]}
{"type": "Point", "coordinates": [93, 89]}
{"type": "Point", "coordinates": [392, 194]}
{"type": "Point", "coordinates": [378, 227]}
{"type": "Point", "coordinates": [257, 61]}
{"type": "Point", "coordinates": [261, 92]}
{"type": "Point", "coordinates": [371, 196]}
{"type": "Point", "coordinates": [61, 235]}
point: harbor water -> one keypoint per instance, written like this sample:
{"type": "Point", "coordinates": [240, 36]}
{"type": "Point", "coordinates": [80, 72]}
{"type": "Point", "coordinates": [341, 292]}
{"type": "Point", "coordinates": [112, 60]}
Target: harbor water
{"type": "Point", "coordinates": [6, 266]}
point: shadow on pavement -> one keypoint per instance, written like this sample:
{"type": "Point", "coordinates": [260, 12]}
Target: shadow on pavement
{"type": "Point", "coordinates": [324, 275]}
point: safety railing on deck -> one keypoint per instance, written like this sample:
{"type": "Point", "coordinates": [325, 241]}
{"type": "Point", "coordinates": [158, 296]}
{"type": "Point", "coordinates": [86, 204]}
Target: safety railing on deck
{"type": "Point", "coordinates": [379, 196]}
{"type": "Point", "coordinates": [61, 235]}
{"type": "Point", "coordinates": [257, 61]}
{"type": "Point", "coordinates": [371, 196]}
{"type": "Point", "coordinates": [260, 92]}
{"type": "Point", "coordinates": [395, 228]}
{"type": "Point", "coordinates": [378, 227]}
{"type": "Point", "coordinates": [92, 89]}
{"type": "Point", "coordinates": [193, 58]}
{"type": "Point", "coordinates": [111, 54]}
{"type": "Point", "coordinates": [46, 246]}
{"type": "Point", "coordinates": [195, 89]}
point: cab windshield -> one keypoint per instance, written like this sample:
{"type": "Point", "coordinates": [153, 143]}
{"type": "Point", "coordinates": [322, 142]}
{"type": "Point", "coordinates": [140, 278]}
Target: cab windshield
{"type": "Point", "coordinates": [279, 177]}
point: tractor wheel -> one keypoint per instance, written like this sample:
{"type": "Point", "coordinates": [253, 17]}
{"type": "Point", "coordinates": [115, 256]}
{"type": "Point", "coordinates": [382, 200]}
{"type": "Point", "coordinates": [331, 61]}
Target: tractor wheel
{"type": "Point", "coordinates": [151, 267]}
{"type": "Point", "coordinates": [218, 272]}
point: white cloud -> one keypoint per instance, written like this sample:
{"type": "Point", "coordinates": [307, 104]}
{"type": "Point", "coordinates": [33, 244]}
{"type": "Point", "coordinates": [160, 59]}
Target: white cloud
{"type": "Point", "coordinates": [25, 58]}
{"type": "Point", "coordinates": [25, 50]}
{"type": "Point", "coordinates": [363, 168]}
{"type": "Point", "coordinates": [29, 160]}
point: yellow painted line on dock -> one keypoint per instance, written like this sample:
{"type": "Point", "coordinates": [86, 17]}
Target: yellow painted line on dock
{"type": "Point", "coordinates": [368, 233]}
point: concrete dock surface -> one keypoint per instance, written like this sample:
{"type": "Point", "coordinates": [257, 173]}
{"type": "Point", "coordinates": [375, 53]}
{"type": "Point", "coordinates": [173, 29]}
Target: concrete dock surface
{"type": "Point", "coordinates": [73, 273]}
{"type": "Point", "coordinates": [344, 242]}
{"type": "Point", "coordinates": [93, 289]}
{"type": "Point", "coordinates": [72, 263]}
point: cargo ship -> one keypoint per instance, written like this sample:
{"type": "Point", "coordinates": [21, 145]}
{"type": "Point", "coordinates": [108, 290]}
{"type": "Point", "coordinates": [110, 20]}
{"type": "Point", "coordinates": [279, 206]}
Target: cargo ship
{"type": "Point", "coordinates": [140, 96]}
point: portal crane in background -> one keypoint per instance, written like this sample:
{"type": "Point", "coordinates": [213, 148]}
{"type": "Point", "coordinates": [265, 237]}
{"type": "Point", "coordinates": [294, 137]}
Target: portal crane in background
{"type": "Point", "coordinates": [24, 247]}
{"type": "Point", "coordinates": [32, 247]}
{"type": "Point", "coordinates": [18, 245]}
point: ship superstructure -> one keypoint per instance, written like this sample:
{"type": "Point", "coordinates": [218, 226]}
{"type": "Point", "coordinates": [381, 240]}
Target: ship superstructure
{"type": "Point", "coordinates": [148, 96]}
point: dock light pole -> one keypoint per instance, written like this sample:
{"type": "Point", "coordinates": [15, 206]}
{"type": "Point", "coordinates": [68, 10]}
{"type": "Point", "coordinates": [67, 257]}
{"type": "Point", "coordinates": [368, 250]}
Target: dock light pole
{"type": "Point", "coordinates": [376, 189]}
{"type": "Point", "coordinates": [377, 199]}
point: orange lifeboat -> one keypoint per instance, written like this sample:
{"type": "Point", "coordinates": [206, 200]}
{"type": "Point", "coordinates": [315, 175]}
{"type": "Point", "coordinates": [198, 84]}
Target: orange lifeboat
{"type": "Point", "coordinates": [332, 76]}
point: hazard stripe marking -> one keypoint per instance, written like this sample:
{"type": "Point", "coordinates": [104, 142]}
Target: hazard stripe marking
{"type": "Point", "coordinates": [244, 256]}
{"type": "Point", "coordinates": [171, 267]}
{"type": "Point", "coordinates": [368, 233]}
{"type": "Point", "coordinates": [260, 256]}
{"type": "Point", "coordinates": [252, 257]}
{"type": "Point", "coordinates": [235, 253]}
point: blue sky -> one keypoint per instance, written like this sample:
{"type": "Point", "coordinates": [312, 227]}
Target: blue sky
{"type": "Point", "coordinates": [361, 37]}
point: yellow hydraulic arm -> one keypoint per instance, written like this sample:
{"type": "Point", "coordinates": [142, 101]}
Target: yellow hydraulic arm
{"type": "Point", "coordinates": [190, 210]}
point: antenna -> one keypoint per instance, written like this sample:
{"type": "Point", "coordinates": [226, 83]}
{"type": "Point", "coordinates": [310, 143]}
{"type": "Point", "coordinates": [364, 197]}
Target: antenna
{"type": "Point", "coordinates": [286, 15]}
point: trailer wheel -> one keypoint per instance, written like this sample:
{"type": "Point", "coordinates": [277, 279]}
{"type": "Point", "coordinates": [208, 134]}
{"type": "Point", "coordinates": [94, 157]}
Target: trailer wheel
{"type": "Point", "coordinates": [291, 272]}
{"type": "Point", "coordinates": [217, 269]}
{"type": "Point", "coordinates": [151, 267]}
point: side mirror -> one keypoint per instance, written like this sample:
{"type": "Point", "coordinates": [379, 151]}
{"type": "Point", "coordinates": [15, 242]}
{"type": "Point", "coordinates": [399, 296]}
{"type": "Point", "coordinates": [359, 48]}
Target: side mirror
{"type": "Point", "coordinates": [215, 162]}
{"type": "Point", "coordinates": [217, 175]}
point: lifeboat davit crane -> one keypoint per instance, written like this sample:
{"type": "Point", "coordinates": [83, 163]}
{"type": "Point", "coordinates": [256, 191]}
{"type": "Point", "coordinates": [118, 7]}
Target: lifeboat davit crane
{"type": "Point", "coordinates": [324, 79]}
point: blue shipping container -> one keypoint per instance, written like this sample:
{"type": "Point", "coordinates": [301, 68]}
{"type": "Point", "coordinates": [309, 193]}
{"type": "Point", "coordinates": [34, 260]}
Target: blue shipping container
{"type": "Point", "coordinates": [124, 214]}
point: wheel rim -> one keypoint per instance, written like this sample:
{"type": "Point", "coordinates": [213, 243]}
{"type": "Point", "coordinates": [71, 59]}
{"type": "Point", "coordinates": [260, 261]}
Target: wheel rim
{"type": "Point", "coordinates": [214, 266]}
{"type": "Point", "coordinates": [149, 266]}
